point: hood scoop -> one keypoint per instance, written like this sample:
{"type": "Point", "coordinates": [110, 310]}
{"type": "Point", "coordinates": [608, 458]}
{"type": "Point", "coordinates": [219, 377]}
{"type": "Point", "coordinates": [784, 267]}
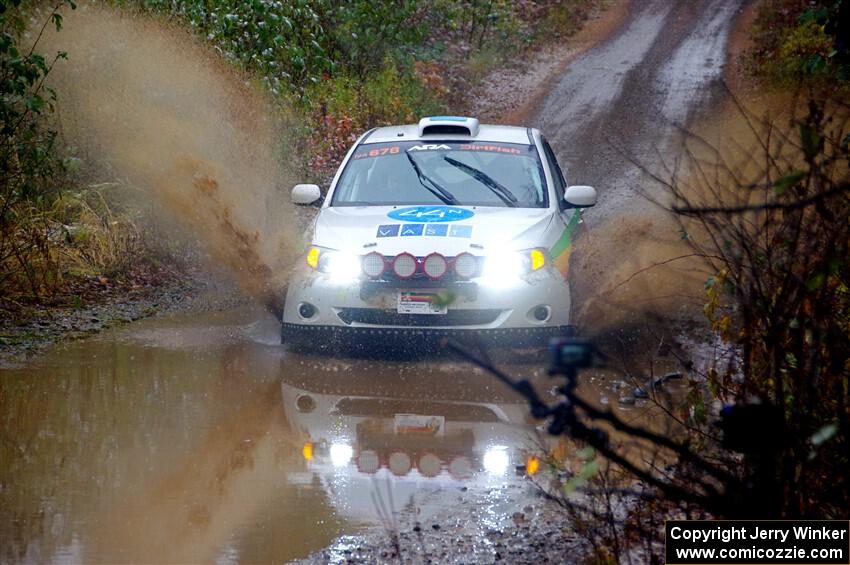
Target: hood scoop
{"type": "Point", "coordinates": [448, 125]}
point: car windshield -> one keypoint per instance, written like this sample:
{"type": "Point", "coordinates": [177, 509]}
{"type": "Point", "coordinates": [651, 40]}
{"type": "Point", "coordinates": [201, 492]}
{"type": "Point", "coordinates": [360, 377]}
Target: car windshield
{"type": "Point", "coordinates": [444, 172]}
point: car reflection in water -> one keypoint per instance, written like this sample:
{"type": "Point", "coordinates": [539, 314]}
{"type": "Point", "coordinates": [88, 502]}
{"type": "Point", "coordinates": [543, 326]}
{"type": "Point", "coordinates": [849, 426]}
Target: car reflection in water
{"type": "Point", "coordinates": [355, 441]}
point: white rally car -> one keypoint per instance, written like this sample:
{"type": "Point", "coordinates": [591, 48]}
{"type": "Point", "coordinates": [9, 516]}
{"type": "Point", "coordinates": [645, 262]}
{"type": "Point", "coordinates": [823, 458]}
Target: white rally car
{"type": "Point", "coordinates": [445, 227]}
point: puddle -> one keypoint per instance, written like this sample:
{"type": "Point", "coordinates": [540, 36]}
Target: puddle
{"type": "Point", "coordinates": [197, 438]}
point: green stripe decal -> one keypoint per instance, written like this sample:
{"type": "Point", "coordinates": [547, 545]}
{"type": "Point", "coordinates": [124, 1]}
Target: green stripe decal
{"type": "Point", "coordinates": [566, 238]}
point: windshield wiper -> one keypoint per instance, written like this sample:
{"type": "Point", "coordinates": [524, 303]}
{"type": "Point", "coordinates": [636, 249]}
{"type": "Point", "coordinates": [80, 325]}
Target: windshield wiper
{"type": "Point", "coordinates": [499, 190]}
{"type": "Point", "coordinates": [444, 195]}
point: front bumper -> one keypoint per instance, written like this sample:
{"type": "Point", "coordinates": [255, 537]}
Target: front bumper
{"type": "Point", "coordinates": [335, 336]}
{"type": "Point", "coordinates": [362, 310]}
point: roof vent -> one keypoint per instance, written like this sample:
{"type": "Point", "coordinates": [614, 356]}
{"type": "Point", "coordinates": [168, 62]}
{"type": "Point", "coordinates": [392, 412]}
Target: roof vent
{"type": "Point", "coordinates": [455, 125]}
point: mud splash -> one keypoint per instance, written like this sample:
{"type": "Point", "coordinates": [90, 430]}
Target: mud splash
{"type": "Point", "coordinates": [649, 266]}
{"type": "Point", "coordinates": [147, 103]}
{"type": "Point", "coordinates": [635, 272]}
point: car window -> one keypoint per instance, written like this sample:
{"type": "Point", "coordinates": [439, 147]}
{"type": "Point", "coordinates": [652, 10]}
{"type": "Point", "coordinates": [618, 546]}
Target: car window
{"type": "Point", "coordinates": [557, 174]}
{"type": "Point", "coordinates": [464, 173]}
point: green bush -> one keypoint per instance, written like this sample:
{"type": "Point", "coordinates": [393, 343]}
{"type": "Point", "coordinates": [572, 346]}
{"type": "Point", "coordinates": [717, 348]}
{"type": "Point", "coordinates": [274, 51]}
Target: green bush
{"type": "Point", "coordinates": [293, 45]}
{"type": "Point", "coordinates": [364, 33]}
{"type": "Point", "coordinates": [284, 42]}
{"type": "Point", "coordinates": [482, 22]}
{"type": "Point", "coordinates": [346, 106]}
{"type": "Point", "coordinates": [796, 42]}
{"type": "Point", "coordinates": [28, 163]}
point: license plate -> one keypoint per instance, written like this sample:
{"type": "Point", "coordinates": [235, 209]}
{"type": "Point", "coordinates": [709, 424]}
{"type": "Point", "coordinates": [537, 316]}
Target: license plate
{"type": "Point", "coordinates": [419, 424]}
{"type": "Point", "coordinates": [415, 302]}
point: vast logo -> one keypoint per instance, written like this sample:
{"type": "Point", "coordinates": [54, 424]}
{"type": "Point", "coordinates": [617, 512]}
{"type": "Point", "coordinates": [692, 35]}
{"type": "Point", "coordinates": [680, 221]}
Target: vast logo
{"type": "Point", "coordinates": [431, 214]}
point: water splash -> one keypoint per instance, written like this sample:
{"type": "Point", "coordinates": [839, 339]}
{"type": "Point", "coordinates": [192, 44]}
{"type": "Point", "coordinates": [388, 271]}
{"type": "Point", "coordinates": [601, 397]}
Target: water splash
{"type": "Point", "coordinates": [149, 104]}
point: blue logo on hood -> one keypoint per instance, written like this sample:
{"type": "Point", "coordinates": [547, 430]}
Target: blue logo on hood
{"type": "Point", "coordinates": [430, 214]}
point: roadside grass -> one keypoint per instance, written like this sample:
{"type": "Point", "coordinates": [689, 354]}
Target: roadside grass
{"type": "Point", "coordinates": [87, 234]}
{"type": "Point", "coordinates": [563, 19]}
{"type": "Point", "coordinates": [101, 241]}
{"type": "Point", "coordinates": [481, 64]}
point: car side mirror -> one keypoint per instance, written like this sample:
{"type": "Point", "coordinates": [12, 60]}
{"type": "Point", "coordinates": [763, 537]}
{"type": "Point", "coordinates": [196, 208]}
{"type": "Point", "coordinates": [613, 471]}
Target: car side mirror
{"type": "Point", "coordinates": [306, 194]}
{"type": "Point", "coordinates": [580, 196]}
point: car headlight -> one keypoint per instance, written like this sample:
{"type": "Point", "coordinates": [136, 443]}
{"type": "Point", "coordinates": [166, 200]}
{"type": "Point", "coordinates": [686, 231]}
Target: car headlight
{"type": "Point", "coordinates": [337, 264]}
{"type": "Point", "coordinates": [341, 454]}
{"type": "Point", "coordinates": [496, 460]}
{"type": "Point", "coordinates": [512, 265]}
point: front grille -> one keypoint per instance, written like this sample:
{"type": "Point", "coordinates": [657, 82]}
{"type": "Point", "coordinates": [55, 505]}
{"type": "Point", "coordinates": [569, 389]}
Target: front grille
{"type": "Point", "coordinates": [465, 290]}
{"type": "Point", "coordinates": [375, 317]}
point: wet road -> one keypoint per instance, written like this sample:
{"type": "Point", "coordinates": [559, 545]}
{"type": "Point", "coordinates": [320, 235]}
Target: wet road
{"type": "Point", "coordinates": [198, 438]}
{"type": "Point", "coordinates": [621, 101]}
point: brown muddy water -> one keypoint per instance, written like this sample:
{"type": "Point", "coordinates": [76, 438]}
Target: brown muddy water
{"type": "Point", "coordinates": [198, 438]}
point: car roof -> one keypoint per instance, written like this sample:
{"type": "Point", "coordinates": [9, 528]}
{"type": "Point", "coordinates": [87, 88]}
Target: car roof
{"type": "Point", "coordinates": [493, 133]}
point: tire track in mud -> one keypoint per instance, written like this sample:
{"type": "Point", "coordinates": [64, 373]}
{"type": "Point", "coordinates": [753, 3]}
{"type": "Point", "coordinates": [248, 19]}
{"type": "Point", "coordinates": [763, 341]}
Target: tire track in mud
{"type": "Point", "coordinates": [616, 112]}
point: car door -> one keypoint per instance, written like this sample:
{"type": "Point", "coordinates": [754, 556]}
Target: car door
{"type": "Point", "coordinates": [567, 218]}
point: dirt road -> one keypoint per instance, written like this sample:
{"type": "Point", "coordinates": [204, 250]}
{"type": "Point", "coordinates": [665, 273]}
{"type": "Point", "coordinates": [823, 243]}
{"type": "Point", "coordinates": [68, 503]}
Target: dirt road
{"type": "Point", "coordinates": [198, 438]}
{"type": "Point", "coordinates": [623, 98]}
{"type": "Point", "coordinates": [618, 108]}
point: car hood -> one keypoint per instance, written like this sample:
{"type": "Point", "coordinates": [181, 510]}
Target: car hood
{"type": "Point", "coordinates": [371, 228]}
